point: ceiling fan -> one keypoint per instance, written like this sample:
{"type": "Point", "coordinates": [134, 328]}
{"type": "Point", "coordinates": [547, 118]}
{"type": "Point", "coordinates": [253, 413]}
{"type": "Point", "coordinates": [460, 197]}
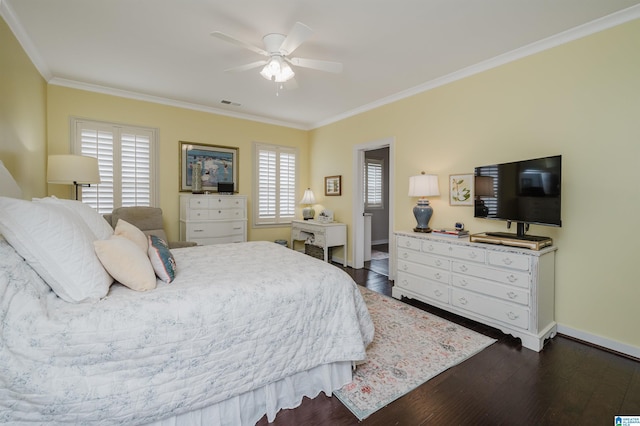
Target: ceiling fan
{"type": "Point", "coordinates": [277, 49]}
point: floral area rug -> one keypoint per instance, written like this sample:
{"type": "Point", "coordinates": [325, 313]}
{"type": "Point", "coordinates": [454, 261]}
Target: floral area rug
{"type": "Point", "coordinates": [410, 347]}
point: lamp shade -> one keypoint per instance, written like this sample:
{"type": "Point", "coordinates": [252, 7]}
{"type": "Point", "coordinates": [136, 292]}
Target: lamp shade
{"type": "Point", "coordinates": [72, 169]}
{"type": "Point", "coordinates": [484, 186]}
{"type": "Point", "coordinates": [8, 186]}
{"type": "Point", "coordinates": [423, 186]}
{"type": "Point", "coordinates": [308, 197]}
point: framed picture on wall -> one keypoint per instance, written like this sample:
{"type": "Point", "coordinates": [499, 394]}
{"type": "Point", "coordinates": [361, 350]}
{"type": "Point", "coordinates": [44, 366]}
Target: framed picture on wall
{"type": "Point", "coordinates": [461, 190]}
{"type": "Point", "coordinates": [333, 185]}
{"type": "Point", "coordinates": [219, 164]}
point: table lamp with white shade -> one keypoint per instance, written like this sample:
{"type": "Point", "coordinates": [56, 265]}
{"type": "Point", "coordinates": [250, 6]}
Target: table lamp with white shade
{"type": "Point", "coordinates": [68, 169]}
{"type": "Point", "coordinates": [308, 199]}
{"type": "Point", "coordinates": [423, 186]}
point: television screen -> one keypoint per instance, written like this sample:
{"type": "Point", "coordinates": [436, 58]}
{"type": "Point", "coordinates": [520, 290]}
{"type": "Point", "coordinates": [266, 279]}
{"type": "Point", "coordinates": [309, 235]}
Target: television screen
{"type": "Point", "coordinates": [526, 191]}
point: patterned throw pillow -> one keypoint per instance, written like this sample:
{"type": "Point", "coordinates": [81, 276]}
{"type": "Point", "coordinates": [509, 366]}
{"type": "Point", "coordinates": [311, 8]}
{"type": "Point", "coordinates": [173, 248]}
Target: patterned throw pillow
{"type": "Point", "coordinates": [162, 259]}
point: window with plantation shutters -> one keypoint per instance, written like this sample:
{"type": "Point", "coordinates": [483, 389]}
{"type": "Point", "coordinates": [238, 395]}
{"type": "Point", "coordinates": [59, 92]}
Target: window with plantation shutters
{"type": "Point", "coordinates": [275, 185]}
{"type": "Point", "coordinates": [126, 160]}
{"type": "Point", "coordinates": [373, 183]}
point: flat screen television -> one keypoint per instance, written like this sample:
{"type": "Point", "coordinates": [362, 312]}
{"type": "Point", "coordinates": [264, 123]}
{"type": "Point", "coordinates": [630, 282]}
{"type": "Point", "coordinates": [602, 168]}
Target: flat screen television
{"type": "Point", "coordinates": [525, 192]}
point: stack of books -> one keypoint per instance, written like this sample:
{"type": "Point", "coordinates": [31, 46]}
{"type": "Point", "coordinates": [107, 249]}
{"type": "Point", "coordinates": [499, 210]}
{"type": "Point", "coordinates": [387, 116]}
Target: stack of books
{"type": "Point", "coordinates": [454, 233]}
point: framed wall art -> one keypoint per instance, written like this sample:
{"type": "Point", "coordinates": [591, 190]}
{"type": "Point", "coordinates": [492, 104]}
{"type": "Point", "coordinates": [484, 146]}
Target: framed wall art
{"type": "Point", "coordinates": [333, 185]}
{"type": "Point", "coordinates": [461, 190]}
{"type": "Point", "coordinates": [218, 164]}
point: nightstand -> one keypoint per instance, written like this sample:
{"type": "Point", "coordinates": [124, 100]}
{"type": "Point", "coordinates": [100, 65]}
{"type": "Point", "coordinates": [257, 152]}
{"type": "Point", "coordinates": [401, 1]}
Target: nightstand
{"type": "Point", "coordinates": [324, 235]}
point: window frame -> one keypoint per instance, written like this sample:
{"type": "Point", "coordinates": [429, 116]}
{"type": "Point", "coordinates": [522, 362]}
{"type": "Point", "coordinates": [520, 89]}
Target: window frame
{"type": "Point", "coordinates": [279, 219]}
{"type": "Point", "coordinates": [117, 130]}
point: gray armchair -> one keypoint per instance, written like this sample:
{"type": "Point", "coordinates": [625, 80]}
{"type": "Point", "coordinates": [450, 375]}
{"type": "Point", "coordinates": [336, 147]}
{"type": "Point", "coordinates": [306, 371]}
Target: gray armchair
{"type": "Point", "coordinates": [147, 219]}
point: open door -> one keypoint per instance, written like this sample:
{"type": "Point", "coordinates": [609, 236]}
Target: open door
{"type": "Point", "coordinates": [358, 220]}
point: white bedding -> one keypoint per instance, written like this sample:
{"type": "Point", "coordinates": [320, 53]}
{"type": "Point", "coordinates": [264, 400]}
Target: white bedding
{"type": "Point", "coordinates": [237, 317]}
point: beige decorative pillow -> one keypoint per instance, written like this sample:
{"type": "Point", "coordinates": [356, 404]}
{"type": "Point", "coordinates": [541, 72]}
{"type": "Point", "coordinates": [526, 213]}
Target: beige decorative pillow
{"type": "Point", "coordinates": [124, 261]}
{"type": "Point", "coordinates": [133, 233]}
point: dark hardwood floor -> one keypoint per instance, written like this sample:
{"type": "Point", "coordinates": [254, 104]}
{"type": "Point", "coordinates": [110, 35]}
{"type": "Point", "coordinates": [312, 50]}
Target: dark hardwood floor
{"type": "Point", "coordinates": [568, 383]}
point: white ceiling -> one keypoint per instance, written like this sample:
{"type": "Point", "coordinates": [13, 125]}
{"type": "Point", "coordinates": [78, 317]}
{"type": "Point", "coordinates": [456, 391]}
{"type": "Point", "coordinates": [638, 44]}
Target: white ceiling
{"type": "Point", "coordinates": [161, 50]}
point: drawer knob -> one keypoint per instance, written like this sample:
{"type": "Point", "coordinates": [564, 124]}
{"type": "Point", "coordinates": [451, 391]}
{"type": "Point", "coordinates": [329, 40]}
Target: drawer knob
{"type": "Point", "coordinates": [438, 263]}
{"type": "Point", "coordinates": [512, 316]}
{"type": "Point", "coordinates": [512, 278]}
{"type": "Point", "coordinates": [437, 275]}
{"type": "Point", "coordinates": [507, 261]}
{"type": "Point", "coordinates": [405, 282]}
{"type": "Point", "coordinates": [463, 301]}
{"type": "Point", "coordinates": [430, 248]}
{"type": "Point", "coordinates": [463, 268]}
{"type": "Point", "coordinates": [405, 267]}
{"type": "Point", "coordinates": [408, 244]}
{"type": "Point", "coordinates": [473, 255]}
{"type": "Point", "coordinates": [512, 295]}
{"type": "Point", "coordinates": [464, 283]}
{"type": "Point", "coordinates": [405, 255]}
{"type": "Point", "coordinates": [438, 293]}
{"type": "Point", "coordinates": [198, 230]}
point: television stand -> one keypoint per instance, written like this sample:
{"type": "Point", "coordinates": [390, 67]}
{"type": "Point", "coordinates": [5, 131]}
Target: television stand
{"type": "Point", "coordinates": [533, 242]}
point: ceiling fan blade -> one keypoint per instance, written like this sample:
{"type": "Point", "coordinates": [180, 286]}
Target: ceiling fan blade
{"type": "Point", "coordinates": [233, 40]}
{"type": "Point", "coordinates": [334, 67]}
{"type": "Point", "coordinates": [298, 35]}
{"type": "Point", "coordinates": [247, 66]}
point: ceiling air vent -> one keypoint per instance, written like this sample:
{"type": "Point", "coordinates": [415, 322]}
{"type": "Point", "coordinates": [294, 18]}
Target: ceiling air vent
{"type": "Point", "coordinates": [226, 102]}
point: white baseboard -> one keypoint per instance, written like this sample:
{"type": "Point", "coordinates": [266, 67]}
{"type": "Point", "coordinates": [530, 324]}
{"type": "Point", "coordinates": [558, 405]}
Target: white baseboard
{"type": "Point", "coordinates": [376, 242]}
{"type": "Point", "coordinates": [600, 341]}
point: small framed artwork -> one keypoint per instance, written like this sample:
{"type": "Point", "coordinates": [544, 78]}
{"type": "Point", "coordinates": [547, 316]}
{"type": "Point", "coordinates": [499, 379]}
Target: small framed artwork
{"type": "Point", "coordinates": [461, 190]}
{"type": "Point", "coordinates": [218, 164]}
{"type": "Point", "coordinates": [333, 185]}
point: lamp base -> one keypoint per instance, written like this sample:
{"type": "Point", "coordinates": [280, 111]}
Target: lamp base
{"type": "Point", "coordinates": [424, 230]}
{"type": "Point", "coordinates": [308, 213]}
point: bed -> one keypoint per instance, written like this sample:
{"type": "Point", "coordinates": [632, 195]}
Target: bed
{"type": "Point", "coordinates": [242, 330]}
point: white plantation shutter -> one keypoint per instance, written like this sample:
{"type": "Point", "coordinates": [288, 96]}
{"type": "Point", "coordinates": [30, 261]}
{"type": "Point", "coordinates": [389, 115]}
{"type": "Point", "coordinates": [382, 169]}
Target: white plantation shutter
{"type": "Point", "coordinates": [373, 183]}
{"type": "Point", "coordinates": [126, 160]}
{"type": "Point", "coordinates": [275, 184]}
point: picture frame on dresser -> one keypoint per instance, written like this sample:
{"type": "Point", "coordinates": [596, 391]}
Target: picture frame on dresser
{"type": "Point", "coordinates": [219, 165]}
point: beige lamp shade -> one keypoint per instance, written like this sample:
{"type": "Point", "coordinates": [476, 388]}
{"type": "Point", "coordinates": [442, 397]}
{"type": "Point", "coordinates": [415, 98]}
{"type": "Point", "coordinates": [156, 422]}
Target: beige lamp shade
{"type": "Point", "coordinates": [72, 169]}
{"type": "Point", "coordinates": [424, 186]}
{"type": "Point", "coordinates": [308, 197]}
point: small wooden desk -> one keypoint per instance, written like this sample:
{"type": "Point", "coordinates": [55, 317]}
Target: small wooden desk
{"type": "Point", "coordinates": [324, 235]}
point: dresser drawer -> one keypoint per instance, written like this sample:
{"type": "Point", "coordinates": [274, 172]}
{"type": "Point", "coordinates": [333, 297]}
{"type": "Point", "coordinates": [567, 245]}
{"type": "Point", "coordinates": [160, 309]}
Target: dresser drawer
{"type": "Point", "coordinates": [424, 271]}
{"type": "Point", "coordinates": [501, 291]}
{"type": "Point", "coordinates": [196, 230]}
{"type": "Point", "coordinates": [468, 253]}
{"type": "Point", "coordinates": [519, 279]}
{"type": "Point", "coordinates": [430, 289]}
{"type": "Point", "coordinates": [214, 214]}
{"type": "Point", "coordinates": [511, 314]}
{"type": "Point", "coordinates": [219, 240]}
{"type": "Point", "coordinates": [509, 260]}
{"type": "Point", "coordinates": [434, 247]}
{"type": "Point", "coordinates": [408, 243]}
{"type": "Point", "coordinates": [212, 202]}
{"type": "Point", "coordinates": [425, 259]}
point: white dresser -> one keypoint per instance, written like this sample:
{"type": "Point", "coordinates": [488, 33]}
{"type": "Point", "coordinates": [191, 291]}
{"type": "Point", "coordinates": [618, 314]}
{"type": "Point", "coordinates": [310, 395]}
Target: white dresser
{"type": "Point", "coordinates": [213, 218]}
{"type": "Point", "coordinates": [508, 288]}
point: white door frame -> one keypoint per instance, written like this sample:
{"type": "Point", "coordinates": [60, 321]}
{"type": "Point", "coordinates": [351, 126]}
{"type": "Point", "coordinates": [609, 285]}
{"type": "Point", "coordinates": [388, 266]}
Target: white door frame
{"type": "Point", "coordinates": [358, 196]}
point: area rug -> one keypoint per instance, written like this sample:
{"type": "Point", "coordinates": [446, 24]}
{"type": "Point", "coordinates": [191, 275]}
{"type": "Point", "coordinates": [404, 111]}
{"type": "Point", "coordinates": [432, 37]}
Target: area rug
{"type": "Point", "coordinates": [410, 347]}
{"type": "Point", "coordinates": [379, 255]}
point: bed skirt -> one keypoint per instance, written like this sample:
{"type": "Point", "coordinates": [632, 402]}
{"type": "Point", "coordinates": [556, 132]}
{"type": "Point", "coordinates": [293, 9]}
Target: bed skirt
{"type": "Point", "coordinates": [249, 407]}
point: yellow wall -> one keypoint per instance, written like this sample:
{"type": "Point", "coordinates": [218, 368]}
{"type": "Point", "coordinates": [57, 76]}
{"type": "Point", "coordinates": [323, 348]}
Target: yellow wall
{"type": "Point", "coordinates": [581, 100]}
{"type": "Point", "coordinates": [22, 116]}
{"type": "Point", "coordinates": [174, 124]}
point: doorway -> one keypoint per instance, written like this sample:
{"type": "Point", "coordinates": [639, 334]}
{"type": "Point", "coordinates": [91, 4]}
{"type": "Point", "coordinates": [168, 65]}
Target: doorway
{"type": "Point", "coordinates": [383, 233]}
{"type": "Point", "coordinates": [376, 210]}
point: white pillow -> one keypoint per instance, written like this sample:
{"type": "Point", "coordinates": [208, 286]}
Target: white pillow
{"type": "Point", "coordinates": [125, 262]}
{"type": "Point", "coordinates": [94, 220]}
{"type": "Point", "coordinates": [57, 245]}
{"type": "Point", "coordinates": [133, 233]}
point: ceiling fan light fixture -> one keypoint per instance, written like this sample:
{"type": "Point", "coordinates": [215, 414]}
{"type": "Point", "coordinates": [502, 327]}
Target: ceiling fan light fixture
{"type": "Point", "coordinates": [277, 70]}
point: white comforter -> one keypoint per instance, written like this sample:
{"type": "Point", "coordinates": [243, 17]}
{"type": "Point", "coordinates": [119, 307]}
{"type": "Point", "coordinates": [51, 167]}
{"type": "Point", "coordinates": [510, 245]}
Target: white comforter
{"type": "Point", "coordinates": [238, 316]}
